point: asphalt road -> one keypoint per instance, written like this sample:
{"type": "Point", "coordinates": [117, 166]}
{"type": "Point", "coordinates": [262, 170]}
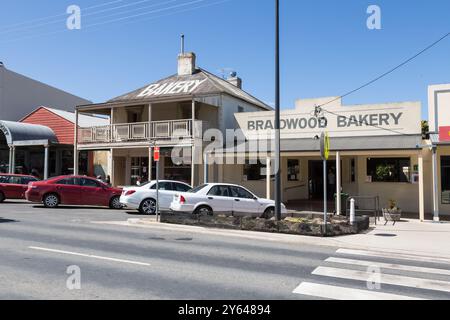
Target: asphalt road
{"type": "Point", "coordinates": [38, 245]}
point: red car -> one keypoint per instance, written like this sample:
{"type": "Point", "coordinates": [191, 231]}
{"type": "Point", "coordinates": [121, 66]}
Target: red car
{"type": "Point", "coordinates": [73, 190]}
{"type": "Point", "coordinates": [13, 186]}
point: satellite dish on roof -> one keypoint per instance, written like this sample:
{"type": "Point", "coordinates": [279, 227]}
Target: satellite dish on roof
{"type": "Point", "coordinates": [233, 74]}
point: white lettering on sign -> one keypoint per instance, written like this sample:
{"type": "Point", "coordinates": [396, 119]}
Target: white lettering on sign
{"type": "Point", "coordinates": [159, 89]}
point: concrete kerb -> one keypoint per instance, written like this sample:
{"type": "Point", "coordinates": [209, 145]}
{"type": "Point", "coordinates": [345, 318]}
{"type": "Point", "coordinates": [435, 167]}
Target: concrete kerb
{"type": "Point", "coordinates": [348, 242]}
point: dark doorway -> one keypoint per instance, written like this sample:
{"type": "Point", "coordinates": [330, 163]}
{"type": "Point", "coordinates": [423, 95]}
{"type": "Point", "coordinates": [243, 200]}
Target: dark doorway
{"type": "Point", "coordinates": [316, 179]}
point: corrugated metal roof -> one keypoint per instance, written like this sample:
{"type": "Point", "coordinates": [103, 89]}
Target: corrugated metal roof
{"type": "Point", "coordinates": [208, 84]}
{"type": "Point", "coordinates": [16, 132]}
{"type": "Point", "coordinates": [84, 121]}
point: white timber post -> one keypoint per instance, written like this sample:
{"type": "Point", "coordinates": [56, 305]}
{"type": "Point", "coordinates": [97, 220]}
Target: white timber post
{"type": "Point", "coordinates": [46, 161]}
{"type": "Point", "coordinates": [435, 187]}
{"type": "Point", "coordinates": [338, 184]}
{"type": "Point", "coordinates": [75, 145]}
{"type": "Point", "coordinates": [268, 177]}
{"type": "Point", "coordinates": [421, 189]}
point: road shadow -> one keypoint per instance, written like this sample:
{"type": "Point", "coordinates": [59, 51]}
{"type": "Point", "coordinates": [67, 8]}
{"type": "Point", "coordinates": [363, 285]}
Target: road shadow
{"type": "Point", "coordinates": [2, 220]}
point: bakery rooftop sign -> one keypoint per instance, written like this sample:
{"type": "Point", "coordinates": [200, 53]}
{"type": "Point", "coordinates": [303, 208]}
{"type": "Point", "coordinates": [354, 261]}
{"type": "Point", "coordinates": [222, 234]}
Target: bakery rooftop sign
{"type": "Point", "coordinates": [339, 122]}
{"type": "Point", "coordinates": [168, 88]}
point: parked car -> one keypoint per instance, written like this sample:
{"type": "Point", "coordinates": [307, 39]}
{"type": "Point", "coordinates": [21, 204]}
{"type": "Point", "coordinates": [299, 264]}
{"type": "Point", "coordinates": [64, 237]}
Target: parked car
{"type": "Point", "coordinates": [14, 186]}
{"type": "Point", "coordinates": [73, 190]}
{"type": "Point", "coordinates": [226, 199]}
{"type": "Point", "coordinates": [143, 198]}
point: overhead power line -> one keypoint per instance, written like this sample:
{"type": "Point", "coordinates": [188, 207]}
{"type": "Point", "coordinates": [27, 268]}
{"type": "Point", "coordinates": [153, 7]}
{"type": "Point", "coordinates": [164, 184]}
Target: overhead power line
{"type": "Point", "coordinates": [121, 20]}
{"type": "Point", "coordinates": [319, 109]}
{"type": "Point", "coordinates": [43, 24]}
{"type": "Point", "coordinates": [56, 16]}
{"type": "Point", "coordinates": [390, 71]}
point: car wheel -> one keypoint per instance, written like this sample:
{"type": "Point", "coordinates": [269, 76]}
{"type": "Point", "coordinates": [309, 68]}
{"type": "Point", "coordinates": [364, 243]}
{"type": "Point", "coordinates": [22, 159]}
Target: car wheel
{"type": "Point", "coordinates": [51, 200]}
{"type": "Point", "coordinates": [269, 213]}
{"type": "Point", "coordinates": [204, 211]}
{"type": "Point", "coordinates": [2, 197]}
{"type": "Point", "coordinates": [115, 203]}
{"type": "Point", "coordinates": [148, 206]}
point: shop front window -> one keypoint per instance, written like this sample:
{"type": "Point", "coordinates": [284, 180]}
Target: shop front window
{"type": "Point", "coordinates": [293, 170]}
{"type": "Point", "coordinates": [445, 179]}
{"type": "Point", "coordinates": [388, 169]}
{"type": "Point", "coordinates": [255, 171]}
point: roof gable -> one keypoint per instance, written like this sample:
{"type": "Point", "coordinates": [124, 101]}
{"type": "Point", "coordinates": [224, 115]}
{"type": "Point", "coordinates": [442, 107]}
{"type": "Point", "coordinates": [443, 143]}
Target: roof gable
{"type": "Point", "coordinates": [201, 83]}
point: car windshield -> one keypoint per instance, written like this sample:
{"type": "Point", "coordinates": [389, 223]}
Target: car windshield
{"type": "Point", "coordinates": [197, 189]}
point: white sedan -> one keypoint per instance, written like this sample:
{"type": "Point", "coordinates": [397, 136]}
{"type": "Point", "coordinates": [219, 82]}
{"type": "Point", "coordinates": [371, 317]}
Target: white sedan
{"type": "Point", "coordinates": [143, 198]}
{"type": "Point", "coordinates": [225, 199]}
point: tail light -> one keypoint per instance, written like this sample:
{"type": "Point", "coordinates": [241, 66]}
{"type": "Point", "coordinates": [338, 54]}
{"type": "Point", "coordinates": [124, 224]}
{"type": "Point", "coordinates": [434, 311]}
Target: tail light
{"type": "Point", "coordinates": [182, 200]}
{"type": "Point", "coordinates": [130, 192]}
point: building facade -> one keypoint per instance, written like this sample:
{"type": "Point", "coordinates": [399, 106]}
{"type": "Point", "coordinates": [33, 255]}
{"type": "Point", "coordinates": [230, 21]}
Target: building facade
{"type": "Point", "coordinates": [171, 113]}
{"type": "Point", "coordinates": [42, 143]}
{"type": "Point", "coordinates": [20, 95]}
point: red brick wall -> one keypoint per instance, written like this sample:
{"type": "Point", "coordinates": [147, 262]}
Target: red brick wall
{"type": "Point", "coordinates": [63, 129]}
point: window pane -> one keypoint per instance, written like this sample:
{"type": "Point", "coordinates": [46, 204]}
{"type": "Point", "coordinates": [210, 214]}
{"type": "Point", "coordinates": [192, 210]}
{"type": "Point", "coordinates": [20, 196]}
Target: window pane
{"type": "Point", "coordinates": [293, 170]}
{"type": "Point", "coordinates": [89, 183]}
{"type": "Point", "coordinates": [389, 169]}
{"type": "Point", "coordinates": [4, 179]}
{"type": "Point", "coordinates": [181, 187]}
{"type": "Point", "coordinates": [240, 193]}
{"type": "Point", "coordinates": [219, 191]}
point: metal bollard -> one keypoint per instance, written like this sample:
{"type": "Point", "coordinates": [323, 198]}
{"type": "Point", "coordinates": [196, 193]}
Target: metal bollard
{"type": "Point", "coordinates": [352, 211]}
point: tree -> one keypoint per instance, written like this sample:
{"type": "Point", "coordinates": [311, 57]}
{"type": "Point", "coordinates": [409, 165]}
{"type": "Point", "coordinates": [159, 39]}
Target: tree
{"type": "Point", "coordinates": [425, 130]}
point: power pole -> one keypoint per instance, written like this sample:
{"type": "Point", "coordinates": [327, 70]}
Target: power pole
{"type": "Point", "coordinates": [277, 114]}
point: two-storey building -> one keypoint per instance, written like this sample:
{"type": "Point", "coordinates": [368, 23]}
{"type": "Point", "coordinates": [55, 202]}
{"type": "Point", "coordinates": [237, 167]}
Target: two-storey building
{"type": "Point", "coordinates": [167, 113]}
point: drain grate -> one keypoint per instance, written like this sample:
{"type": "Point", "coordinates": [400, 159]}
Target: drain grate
{"type": "Point", "coordinates": [385, 235]}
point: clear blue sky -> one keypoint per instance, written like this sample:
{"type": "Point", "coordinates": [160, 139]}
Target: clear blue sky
{"type": "Point", "coordinates": [326, 48]}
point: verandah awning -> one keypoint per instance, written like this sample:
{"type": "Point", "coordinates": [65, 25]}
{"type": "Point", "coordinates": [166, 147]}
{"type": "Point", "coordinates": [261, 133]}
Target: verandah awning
{"type": "Point", "coordinates": [24, 134]}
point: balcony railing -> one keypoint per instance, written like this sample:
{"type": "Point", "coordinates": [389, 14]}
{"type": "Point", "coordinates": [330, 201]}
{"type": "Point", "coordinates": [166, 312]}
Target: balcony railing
{"type": "Point", "coordinates": [143, 131]}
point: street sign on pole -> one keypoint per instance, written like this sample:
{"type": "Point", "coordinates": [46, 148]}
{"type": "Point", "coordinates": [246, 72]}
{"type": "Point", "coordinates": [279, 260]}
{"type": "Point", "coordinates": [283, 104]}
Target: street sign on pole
{"type": "Point", "coordinates": [325, 154]}
{"type": "Point", "coordinates": [156, 157]}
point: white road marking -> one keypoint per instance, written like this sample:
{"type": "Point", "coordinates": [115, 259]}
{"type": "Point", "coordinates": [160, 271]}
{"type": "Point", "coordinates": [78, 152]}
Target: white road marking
{"type": "Point", "coordinates": [388, 266]}
{"type": "Point", "coordinates": [90, 256]}
{"type": "Point", "coordinates": [395, 280]}
{"type": "Point", "coordinates": [342, 293]}
{"type": "Point", "coordinates": [393, 256]}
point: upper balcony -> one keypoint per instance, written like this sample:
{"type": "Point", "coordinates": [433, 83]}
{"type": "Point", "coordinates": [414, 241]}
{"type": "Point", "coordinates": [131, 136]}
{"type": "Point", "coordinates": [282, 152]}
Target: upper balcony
{"type": "Point", "coordinates": [155, 131]}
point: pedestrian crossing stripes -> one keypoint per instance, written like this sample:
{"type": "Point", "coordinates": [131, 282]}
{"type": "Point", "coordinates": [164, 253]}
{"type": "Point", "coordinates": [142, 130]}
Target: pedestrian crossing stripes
{"type": "Point", "coordinates": [338, 280]}
{"type": "Point", "coordinates": [335, 292]}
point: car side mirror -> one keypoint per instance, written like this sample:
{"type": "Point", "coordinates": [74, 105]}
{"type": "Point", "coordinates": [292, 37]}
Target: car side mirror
{"type": "Point", "coordinates": [255, 198]}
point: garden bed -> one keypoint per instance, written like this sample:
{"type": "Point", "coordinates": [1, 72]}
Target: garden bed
{"type": "Point", "coordinates": [309, 225]}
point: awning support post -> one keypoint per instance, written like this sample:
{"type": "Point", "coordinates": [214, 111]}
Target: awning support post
{"type": "Point", "coordinates": [421, 189]}
{"type": "Point", "coordinates": [338, 183]}
{"type": "Point", "coordinates": [435, 187]}
{"type": "Point", "coordinates": [46, 162]}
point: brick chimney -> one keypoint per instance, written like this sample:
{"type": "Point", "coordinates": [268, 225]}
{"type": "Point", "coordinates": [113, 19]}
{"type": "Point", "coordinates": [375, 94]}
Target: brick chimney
{"type": "Point", "coordinates": [186, 63]}
{"type": "Point", "coordinates": [235, 80]}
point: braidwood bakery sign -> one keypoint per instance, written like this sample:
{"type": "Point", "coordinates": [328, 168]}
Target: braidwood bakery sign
{"type": "Point", "coordinates": [344, 122]}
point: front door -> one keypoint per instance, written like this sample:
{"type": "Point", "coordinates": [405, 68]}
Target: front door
{"type": "Point", "coordinates": [219, 199]}
{"type": "Point", "coordinates": [244, 202]}
{"type": "Point", "coordinates": [93, 193]}
{"type": "Point", "coordinates": [165, 194]}
{"type": "Point", "coordinates": [68, 191]}
{"type": "Point", "coordinates": [316, 179]}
